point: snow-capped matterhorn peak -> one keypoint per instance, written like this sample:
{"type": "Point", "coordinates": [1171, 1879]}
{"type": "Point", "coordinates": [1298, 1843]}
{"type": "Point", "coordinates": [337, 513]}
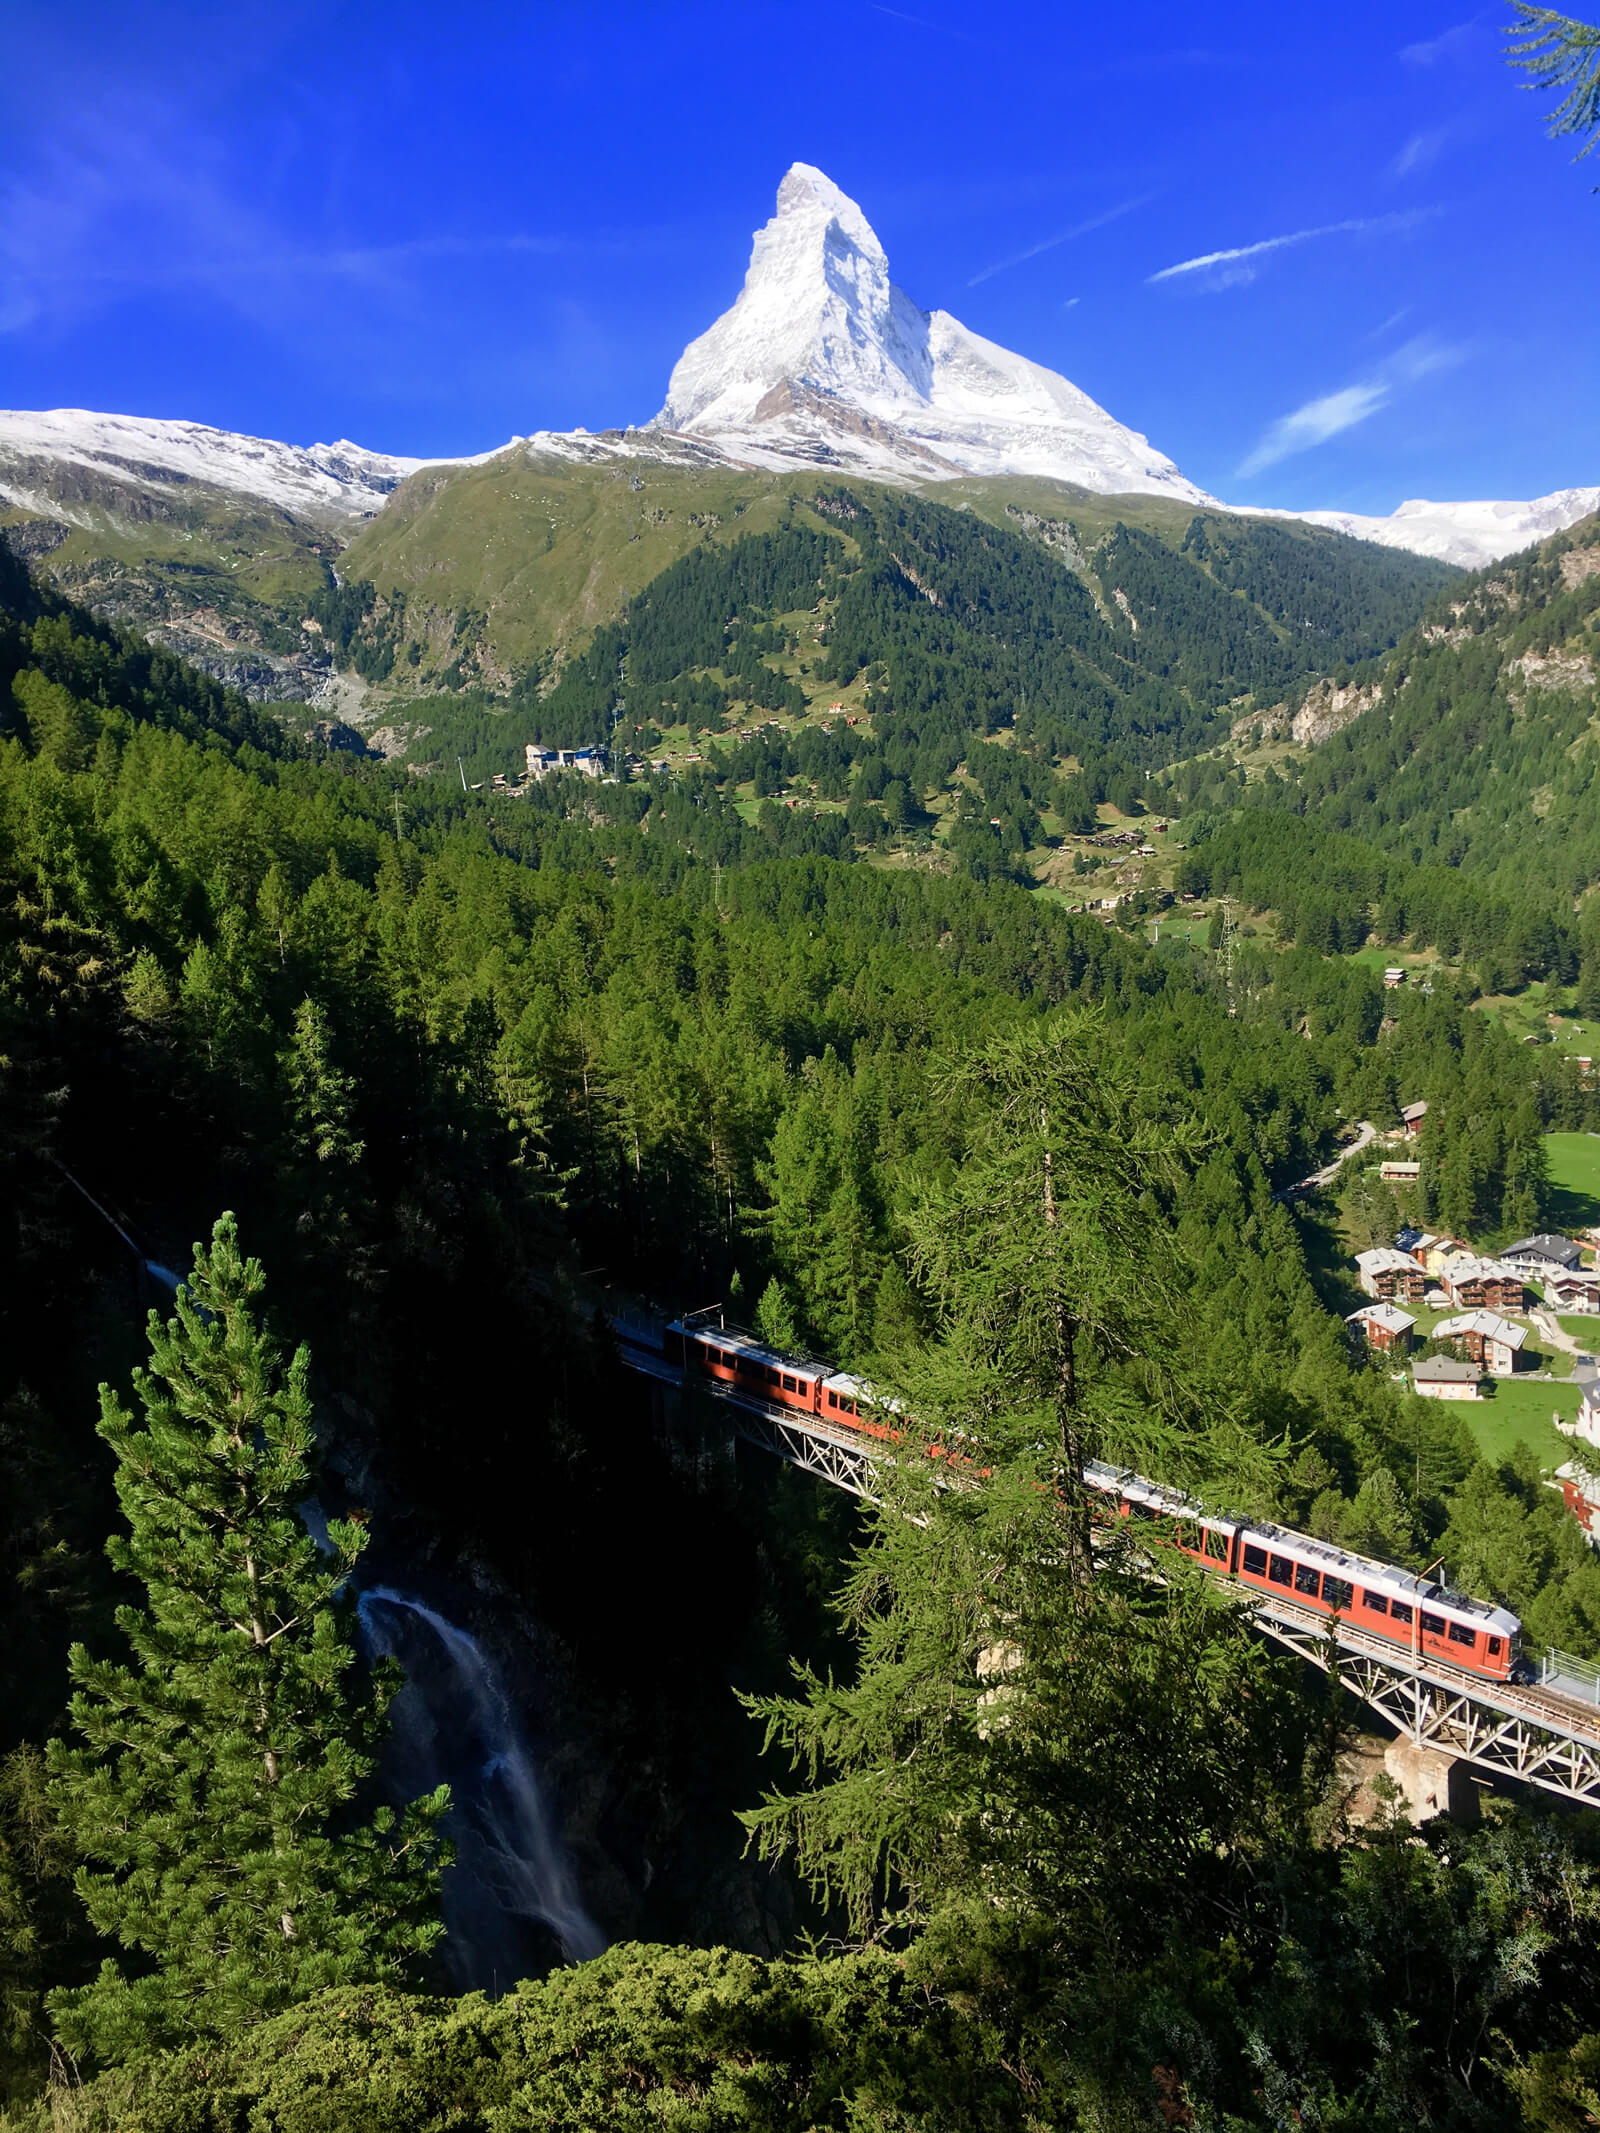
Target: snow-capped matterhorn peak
{"type": "Point", "coordinates": [823, 359]}
{"type": "Point", "coordinates": [817, 308]}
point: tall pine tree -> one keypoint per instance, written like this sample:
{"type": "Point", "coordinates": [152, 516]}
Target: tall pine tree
{"type": "Point", "coordinates": [218, 1804]}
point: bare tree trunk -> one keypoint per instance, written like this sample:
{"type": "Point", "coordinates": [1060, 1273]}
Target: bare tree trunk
{"type": "Point", "coordinates": [269, 1755]}
{"type": "Point", "coordinates": [1074, 1496]}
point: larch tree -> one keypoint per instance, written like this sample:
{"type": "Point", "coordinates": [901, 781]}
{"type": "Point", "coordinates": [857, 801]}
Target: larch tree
{"type": "Point", "coordinates": [1053, 1268]}
{"type": "Point", "coordinates": [219, 1800]}
{"type": "Point", "coordinates": [1560, 54]}
{"type": "Point", "coordinates": [1031, 1721]}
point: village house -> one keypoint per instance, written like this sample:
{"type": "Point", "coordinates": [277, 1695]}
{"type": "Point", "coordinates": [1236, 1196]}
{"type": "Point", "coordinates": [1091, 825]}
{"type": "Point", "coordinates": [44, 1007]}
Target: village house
{"type": "Point", "coordinates": [1411, 1117]}
{"type": "Point", "coordinates": [1384, 1328]}
{"type": "Point", "coordinates": [1441, 1377]}
{"type": "Point", "coordinates": [1488, 1339]}
{"type": "Point", "coordinates": [1474, 1284]}
{"type": "Point", "coordinates": [1578, 1481]}
{"type": "Point", "coordinates": [1586, 1423]}
{"type": "Point", "coordinates": [1431, 1252]}
{"type": "Point", "coordinates": [1580, 1491]}
{"type": "Point", "coordinates": [543, 762]}
{"type": "Point", "coordinates": [1390, 1276]}
{"type": "Point", "coordinates": [1577, 1290]}
{"type": "Point", "coordinates": [1393, 976]}
{"type": "Point", "coordinates": [1393, 1173]}
{"type": "Point", "coordinates": [1543, 1254]}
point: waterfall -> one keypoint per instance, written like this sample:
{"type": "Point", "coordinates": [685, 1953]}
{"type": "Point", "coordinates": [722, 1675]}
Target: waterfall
{"type": "Point", "coordinates": [511, 1891]}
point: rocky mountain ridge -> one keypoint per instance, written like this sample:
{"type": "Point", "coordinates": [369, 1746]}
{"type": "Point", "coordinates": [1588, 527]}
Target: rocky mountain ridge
{"type": "Point", "coordinates": [64, 462]}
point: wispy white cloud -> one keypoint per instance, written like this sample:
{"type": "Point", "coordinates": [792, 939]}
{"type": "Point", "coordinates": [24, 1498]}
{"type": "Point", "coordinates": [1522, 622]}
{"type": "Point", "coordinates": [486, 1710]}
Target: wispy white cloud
{"type": "Point", "coordinates": [1233, 267]}
{"type": "Point", "coordinates": [1421, 150]}
{"type": "Point", "coordinates": [1331, 413]}
{"type": "Point", "coordinates": [1071, 300]}
{"type": "Point", "coordinates": [1451, 44]}
{"type": "Point", "coordinates": [1315, 423]}
{"type": "Point", "coordinates": [1388, 325]}
{"type": "Point", "coordinates": [107, 207]}
{"type": "Point", "coordinates": [1079, 229]}
{"type": "Point", "coordinates": [920, 22]}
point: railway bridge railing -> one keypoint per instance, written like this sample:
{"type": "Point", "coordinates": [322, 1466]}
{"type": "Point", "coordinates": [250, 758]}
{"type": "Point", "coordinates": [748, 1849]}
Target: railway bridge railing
{"type": "Point", "coordinates": [1546, 1735]}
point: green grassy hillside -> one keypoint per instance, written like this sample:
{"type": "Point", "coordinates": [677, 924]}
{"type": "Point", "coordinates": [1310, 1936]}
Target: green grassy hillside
{"type": "Point", "coordinates": [221, 579]}
{"type": "Point", "coordinates": [529, 553]}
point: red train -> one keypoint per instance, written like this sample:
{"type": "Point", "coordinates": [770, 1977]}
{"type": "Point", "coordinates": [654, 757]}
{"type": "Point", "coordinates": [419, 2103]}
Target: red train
{"type": "Point", "coordinates": [739, 1361]}
{"type": "Point", "coordinates": [1381, 1601]}
{"type": "Point", "coordinates": [1373, 1597]}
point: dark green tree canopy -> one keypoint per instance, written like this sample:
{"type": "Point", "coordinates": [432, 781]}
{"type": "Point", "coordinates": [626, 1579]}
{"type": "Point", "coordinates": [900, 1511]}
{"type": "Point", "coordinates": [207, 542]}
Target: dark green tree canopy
{"type": "Point", "coordinates": [217, 1799]}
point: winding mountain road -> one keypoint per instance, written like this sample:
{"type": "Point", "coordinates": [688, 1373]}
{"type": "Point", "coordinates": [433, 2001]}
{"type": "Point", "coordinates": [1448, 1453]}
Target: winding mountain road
{"type": "Point", "coordinates": [1366, 1134]}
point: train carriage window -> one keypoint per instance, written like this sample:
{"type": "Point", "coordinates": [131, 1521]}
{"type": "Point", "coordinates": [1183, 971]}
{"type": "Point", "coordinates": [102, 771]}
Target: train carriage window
{"type": "Point", "coordinates": [1139, 1510]}
{"type": "Point", "coordinates": [1375, 1602]}
{"type": "Point", "coordinates": [1255, 1560]}
{"type": "Point", "coordinates": [1280, 1570]}
{"type": "Point", "coordinates": [788, 1382]}
{"type": "Point", "coordinates": [1494, 1647]}
{"type": "Point", "coordinates": [1338, 1593]}
{"type": "Point", "coordinates": [1461, 1634]}
{"type": "Point", "coordinates": [774, 1377]}
{"type": "Point", "coordinates": [1186, 1533]}
{"type": "Point", "coordinates": [1400, 1610]}
{"type": "Point", "coordinates": [1306, 1579]}
{"type": "Point", "coordinates": [1433, 1624]}
{"type": "Point", "coordinates": [833, 1399]}
{"type": "Point", "coordinates": [1216, 1546]}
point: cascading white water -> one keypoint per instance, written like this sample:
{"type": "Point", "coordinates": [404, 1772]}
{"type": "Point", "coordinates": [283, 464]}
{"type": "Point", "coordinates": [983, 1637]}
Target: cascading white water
{"type": "Point", "coordinates": [453, 1723]}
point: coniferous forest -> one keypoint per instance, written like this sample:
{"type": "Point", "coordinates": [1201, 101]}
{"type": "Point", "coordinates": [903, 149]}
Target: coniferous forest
{"type": "Point", "coordinates": [337, 1108]}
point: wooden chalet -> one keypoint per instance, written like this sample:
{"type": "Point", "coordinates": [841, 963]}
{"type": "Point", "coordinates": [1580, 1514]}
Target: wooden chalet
{"type": "Point", "coordinates": [1384, 1328]}
{"type": "Point", "coordinates": [1389, 1276]}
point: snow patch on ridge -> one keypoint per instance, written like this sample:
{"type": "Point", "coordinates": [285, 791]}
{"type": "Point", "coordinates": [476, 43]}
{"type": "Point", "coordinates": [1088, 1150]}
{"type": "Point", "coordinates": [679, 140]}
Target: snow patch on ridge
{"type": "Point", "coordinates": [1471, 534]}
{"type": "Point", "coordinates": [321, 481]}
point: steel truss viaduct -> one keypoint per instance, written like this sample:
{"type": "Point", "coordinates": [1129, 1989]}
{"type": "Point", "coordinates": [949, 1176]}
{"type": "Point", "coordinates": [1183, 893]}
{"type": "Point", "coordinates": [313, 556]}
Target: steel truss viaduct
{"type": "Point", "coordinates": [1503, 1729]}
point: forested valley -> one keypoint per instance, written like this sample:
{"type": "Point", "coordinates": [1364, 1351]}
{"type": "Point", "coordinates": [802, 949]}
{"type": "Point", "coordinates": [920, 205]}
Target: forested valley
{"type": "Point", "coordinates": [1457, 811]}
{"type": "Point", "coordinates": [1030, 1849]}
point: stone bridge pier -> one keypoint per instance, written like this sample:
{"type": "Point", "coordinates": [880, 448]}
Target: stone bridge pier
{"type": "Point", "coordinates": [1432, 1781]}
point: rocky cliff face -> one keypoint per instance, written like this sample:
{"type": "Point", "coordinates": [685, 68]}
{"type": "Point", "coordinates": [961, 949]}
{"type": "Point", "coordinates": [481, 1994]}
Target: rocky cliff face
{"type": "Point", "coordinates": [1321, 713]}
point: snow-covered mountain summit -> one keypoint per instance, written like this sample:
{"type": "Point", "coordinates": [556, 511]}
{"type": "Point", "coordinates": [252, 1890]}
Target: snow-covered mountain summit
{"type": "Point", "coordinates": [823, 359]}
{"type": "Point", "coordinates": [1472, 534]}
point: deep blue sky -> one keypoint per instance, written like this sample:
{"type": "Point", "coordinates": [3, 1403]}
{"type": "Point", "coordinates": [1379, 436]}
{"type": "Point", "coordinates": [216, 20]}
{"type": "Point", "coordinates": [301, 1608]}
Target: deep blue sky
{"type": "Point", "coordinates": [427, 227]}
